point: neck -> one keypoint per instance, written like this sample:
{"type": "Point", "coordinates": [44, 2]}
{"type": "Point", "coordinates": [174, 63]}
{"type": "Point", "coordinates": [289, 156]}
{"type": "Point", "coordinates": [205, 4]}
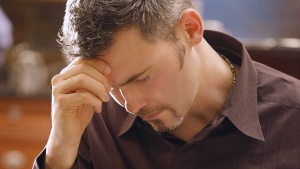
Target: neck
{"type": "Point", "coordinates": [214, 84]}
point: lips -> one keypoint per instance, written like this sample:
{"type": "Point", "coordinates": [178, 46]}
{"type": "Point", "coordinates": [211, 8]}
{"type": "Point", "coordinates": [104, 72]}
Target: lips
{"type": "Point", "coordinates": [152, 116]}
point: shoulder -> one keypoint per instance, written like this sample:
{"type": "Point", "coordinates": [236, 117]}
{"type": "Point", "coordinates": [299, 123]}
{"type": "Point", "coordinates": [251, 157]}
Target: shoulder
{"type": "Point", "coordinates": [277, 87]}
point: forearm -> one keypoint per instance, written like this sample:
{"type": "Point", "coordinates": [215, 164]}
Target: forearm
{"type": "Point", "coordinates": [60, 155]}
{"type": "Point", "coordinates": [78, 91]}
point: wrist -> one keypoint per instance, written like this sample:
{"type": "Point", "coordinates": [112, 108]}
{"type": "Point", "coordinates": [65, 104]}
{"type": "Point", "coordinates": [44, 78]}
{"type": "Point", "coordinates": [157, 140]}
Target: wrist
{"type": "Point", "coordinates": [60, 154]}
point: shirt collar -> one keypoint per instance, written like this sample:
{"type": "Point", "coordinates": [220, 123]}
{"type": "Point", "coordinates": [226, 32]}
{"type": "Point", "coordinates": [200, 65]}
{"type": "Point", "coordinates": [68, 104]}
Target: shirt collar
{"type": "Point", "coordinates": [127, 123]}
{"type": "Point", "coordinates": [241, 104]}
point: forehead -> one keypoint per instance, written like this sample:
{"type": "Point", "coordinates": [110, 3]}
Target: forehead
{"type": "Point", "coordinates": [131, 54]}
{"type": "Point", "coordinates": [128, 55]}
{"type": "Point", "coordinates": [126, 45]}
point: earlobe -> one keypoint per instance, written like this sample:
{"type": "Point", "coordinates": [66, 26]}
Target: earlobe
{"type": "Point", "coordinates": [191, 22]}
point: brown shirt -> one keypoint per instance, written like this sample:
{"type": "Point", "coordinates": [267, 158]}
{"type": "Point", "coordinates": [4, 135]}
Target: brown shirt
{"type": "Point", "coordinates": [258, 127]}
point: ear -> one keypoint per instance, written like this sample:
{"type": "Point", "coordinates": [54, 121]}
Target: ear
{"type": "Point", "coordinates": [191, 22]}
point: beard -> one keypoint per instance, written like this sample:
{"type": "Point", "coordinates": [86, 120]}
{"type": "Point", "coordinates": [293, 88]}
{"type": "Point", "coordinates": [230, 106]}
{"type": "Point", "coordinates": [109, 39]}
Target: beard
{"type": "Point", "coordinates": [159, 125]}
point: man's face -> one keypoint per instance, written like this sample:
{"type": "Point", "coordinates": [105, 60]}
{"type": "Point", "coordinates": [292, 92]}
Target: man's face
{"type": "Point", "coordinates": [147, 79]}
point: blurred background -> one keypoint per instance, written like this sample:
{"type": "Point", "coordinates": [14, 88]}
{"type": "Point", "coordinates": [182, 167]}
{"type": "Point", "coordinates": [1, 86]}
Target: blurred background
{"type": "Point", "coordinates": [30, 57]}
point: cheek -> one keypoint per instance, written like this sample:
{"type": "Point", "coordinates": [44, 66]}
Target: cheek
{"type": "Point", "coordinates": [164, 88]}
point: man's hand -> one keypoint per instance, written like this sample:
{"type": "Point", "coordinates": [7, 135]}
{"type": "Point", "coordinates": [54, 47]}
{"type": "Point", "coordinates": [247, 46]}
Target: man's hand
{"type": "Point", "coordinates": [77, 92]}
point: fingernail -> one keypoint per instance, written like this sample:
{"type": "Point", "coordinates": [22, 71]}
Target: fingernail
{"type": "Point", "coordinates": [106, 69]}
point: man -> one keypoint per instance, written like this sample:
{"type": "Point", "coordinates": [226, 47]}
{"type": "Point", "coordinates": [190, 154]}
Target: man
{"type": "Point", "coordinates": [182, 97]}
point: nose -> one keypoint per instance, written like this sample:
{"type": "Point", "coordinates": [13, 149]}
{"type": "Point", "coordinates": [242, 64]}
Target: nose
{"type": "Point", "coordinates": [134, 100]}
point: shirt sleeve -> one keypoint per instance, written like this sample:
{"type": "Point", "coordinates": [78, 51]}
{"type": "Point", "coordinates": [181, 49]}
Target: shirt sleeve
{"type": "Point", "coordinates": [39, 162]}
{"type": "Point", "coordinates": [83, 160]}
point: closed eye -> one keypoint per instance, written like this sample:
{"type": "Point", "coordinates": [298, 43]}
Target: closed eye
{"type": "Point", "coordinates": [143, 79]}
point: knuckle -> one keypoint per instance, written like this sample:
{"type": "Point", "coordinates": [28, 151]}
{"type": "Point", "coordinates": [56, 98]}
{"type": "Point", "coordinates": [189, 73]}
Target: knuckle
{"type": "Point", "coordinates": [64, 69]}
{"type": "Point", "coordinates": [79, 80]}
{"type": "Point", "coordinates": [81, 67]}
{"type": "Point", "coordinates": [54, 89]}
{"type": "Point", "coordinates": [55, 79]}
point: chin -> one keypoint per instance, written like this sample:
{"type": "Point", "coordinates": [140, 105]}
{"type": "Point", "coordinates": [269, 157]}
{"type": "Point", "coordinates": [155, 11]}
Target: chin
{"type": "Point", "coordinates": [161, 127]}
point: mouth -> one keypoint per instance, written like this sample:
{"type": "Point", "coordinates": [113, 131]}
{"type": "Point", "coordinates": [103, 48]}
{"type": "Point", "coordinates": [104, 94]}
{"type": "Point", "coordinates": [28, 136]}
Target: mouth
{"type": "Point", "coordinates": [152, 116]}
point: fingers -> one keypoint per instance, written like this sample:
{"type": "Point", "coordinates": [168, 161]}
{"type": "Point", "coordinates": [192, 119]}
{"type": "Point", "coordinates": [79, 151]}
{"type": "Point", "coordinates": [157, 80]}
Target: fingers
{"type": "Point", "coordinates": [85, 82]}
{"type": "Point", "coordinates": [84, 69]}
{"type": "Point", "coordinates": [77, 92]}
{"type": "Point", "coordinates": [77, 99]}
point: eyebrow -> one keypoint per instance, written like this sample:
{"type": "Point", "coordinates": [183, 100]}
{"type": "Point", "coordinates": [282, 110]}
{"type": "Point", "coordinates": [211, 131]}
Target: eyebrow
{"type": "Point", "coordinates": [133, 77]}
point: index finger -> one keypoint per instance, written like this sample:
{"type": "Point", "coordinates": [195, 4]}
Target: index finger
{"type": "Point", "coordinates": [97, 64]}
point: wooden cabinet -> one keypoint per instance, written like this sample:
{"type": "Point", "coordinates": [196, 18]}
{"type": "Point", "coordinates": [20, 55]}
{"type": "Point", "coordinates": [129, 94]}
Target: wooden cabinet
{"type": "Point", "coordinates": [286, 60]}
{"type": "Point", "coordinates": [24, 129]}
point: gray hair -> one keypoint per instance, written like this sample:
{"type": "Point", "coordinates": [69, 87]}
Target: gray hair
{"type": "Point", "coordinates": [90, 26]}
